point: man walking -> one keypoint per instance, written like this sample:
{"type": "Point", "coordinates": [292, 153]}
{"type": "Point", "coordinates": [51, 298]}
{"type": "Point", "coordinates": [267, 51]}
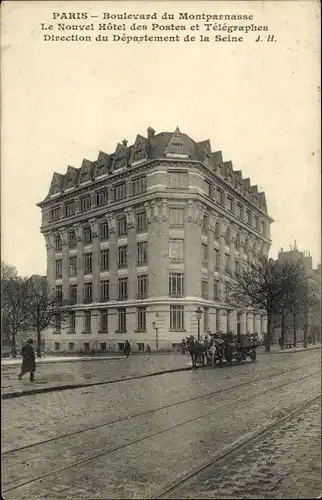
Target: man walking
{"type": "Point", "coordinates": [28, 360]}
{"type": "Point", "coordinates": [127, 348]}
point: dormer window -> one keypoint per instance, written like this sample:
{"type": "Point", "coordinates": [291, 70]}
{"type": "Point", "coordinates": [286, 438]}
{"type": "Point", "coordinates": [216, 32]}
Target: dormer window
{"type": "Point", "coordinates": [84, 176]}
{"type": "Point", "coordinates": [69, 182]}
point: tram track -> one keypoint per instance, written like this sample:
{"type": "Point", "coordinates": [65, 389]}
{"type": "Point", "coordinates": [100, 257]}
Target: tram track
{"type": "Point", "coordinates": [105, 452]}
{"type": "Point", "coordinates": [141, 414]}
{"type": "Point", "coordinates": [233, 449]}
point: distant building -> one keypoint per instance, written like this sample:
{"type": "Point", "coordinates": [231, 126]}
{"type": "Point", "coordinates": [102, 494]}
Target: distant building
{"type": "Point", "coordinates": [310, 293]}
{"type": "Point", "coordinates": [139, 239]}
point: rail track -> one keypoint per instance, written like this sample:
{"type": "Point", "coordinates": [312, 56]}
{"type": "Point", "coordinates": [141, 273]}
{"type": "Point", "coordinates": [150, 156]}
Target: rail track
{"type": "Point", "coordinates": [180, 481]}
{"type": "Point", "coordinates": [234, 449]}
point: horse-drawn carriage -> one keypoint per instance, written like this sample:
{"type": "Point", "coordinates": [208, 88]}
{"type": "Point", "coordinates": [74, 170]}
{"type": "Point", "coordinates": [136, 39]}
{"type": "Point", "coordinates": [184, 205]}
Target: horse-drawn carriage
{"type": "Point", "coordinates": [222, 348]}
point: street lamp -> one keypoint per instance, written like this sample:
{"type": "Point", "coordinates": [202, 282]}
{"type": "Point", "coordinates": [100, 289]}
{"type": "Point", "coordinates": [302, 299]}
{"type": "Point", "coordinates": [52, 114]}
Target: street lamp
{"type": "Point", "coordinates": [199, 314]}
{"type": "Point", "coordinates": [156, 335]}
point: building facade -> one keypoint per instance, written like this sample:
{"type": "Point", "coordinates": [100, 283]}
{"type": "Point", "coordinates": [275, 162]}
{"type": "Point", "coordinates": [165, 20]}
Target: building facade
{"type": "Point", "coordinates": [306, 313]}
{"type": "Point", "coordinates": [139, 239]}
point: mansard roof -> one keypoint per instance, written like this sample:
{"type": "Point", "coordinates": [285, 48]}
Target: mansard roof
{"type": "Point", "coordinates": [162, 145]}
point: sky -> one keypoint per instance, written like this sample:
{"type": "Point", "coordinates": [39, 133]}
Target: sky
{"type": "Point", "coordinates": [257, 102]}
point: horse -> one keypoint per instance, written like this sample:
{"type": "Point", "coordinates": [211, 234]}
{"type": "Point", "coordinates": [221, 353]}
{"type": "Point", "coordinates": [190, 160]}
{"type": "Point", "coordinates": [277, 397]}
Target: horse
{"type": "Point", "coordinates": [196, 350]}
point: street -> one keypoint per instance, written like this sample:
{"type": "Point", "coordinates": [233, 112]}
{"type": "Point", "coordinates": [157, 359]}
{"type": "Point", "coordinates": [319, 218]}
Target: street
{"type": "Point", "coordinates": [238, 432]}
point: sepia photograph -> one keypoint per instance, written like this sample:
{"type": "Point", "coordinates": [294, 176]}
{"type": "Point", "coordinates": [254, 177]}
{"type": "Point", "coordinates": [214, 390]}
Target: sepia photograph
{"type": "Point", "coordinates": [160, 249]}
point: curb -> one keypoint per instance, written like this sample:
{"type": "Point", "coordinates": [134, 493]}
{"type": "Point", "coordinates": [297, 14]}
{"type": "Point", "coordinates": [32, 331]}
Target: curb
{"type": "Point", "coordinates": [41, 361]}
{"type": "Point", "coordinates": [18, 394]}
{"type": "Point", "coordinates": [289, 351]}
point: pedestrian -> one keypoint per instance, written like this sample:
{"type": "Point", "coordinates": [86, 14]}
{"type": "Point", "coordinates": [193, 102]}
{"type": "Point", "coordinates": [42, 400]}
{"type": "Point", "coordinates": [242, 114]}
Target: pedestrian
{"type": "Point", "coordinates": [28, 360]}
{"type": "Point", "coordinates": [148, 349]}
{"type": "Point", "coordinates": [183, 346]}
{"type": "Point", "coordinates": [127, 348]}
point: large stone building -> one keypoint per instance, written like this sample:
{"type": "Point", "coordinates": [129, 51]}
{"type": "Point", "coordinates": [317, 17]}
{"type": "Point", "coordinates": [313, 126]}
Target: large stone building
{"type": "Point", "coordinates": [139, 239]}
{"type": "Point", "coordinates": [304, 314]}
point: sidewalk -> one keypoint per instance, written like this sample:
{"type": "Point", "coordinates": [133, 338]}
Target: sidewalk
{"type": "Point", "coordinates": [275, 349]}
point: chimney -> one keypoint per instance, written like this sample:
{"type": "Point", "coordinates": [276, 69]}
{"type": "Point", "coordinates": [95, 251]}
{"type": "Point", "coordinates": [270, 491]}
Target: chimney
{"type": "Point", "coordinates": [151, 132]}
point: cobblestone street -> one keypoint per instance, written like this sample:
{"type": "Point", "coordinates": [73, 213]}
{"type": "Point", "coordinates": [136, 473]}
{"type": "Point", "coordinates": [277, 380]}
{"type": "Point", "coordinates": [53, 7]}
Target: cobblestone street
{"type": "Point", "coordinates": [136, 438]}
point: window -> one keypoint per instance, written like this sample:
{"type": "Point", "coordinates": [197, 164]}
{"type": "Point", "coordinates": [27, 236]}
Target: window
{"type": "Point", "coordinates": [58, 243]}
{"type": "Point", "coordinates": [227, 268]}
{"type": "Point", "coordinates": [119, 191]}
{"type": "Point", "coordinates": [87, 321]}
{"type": "Point", "coordinates": [103, 231]}
{"type": "Point", "coordinates": [204, 289]}
{"type": "Point", "coordinates": [69, 209]}
{"type": "Point", "coordinates": [103, 346]}
{"type": "Point", "coordinates": [85, 203]}
{"type": "Point", "coordinates": [227, 237]}
{"type": "Point", "coordinates": [104, 320]}
{"type": "Point", "coordinates": [59, 293]}
{"type": "Point", "coordinates": [122, 257]}
{"type": "Point", "coordinates": [121, 226]}
{"type": "Point", "coordinates": [217, 262]}
{"type": "Point", "coordinates": [71, 239]}
{"type": "Point", "coordinates": [87, 235]}
{"type": "Point", "coordinates": [257, 223]}
{"type": "Point", "coordinates": [206, 319]}
{"type": "Point", "coordinates": [140, 346]}
{"type": "Point", "coordinates": [220, 197]}
{"type": "Point", "coordinates": [138, 185]}
{"type": "Point", "coordinates": [239, 211]}
{"type": "Point", "coordinates": [216, 290]}
{"type": "Point", "coordinates": [238, 323]}
{"type": "Point", "coordinates": [226, 291]}
{"type": "Point", "coordinates": [142, 286]}
{"type": "Point", "coordinates": [249, 218]}
{"type": "Point", "coordinates": [204, 254]}
{"type": "Point", "coordinates": [176, 250]}
{"type": "Point", "coordinates": [55, 214]}
{"type": "Point", "coordinates": [205, 224]}
{"type": "Point", "coordinates": [71, 346]}
{"type": "Point", "coordinates": [72, 266]}
{"type": "Point", "coordinates": [230, 204]}
{"type": "Point", "coordinates": [72, 294]}
{"type": "Point", "coordinates": [207, 188]}
{"type": "Point", "coordinates": [88, 263]}
{"type": "Point", "coordinates": [176, 285]}
{"type": "Point", "coordinates": [72, 321]}
{"type": "Point", "coordinates": [177, 318]}
{"type": "Point", "coordinates": [101, 197]}
{"type": "Point", "coordinates": [141, 319]}
{"type": "Point", "coordinates": [57, 323]}
{"type": "Point", "coordinates": [217, 231]}
{"type": "Point", "coordinates": [87, 293]}
{"type": "Point", "coordinates": [121, 313]}
{"type": "Point", "coordinates": [121, 346]}
{"type": "Point", "coordinates": [58, 268]}
{"type": "Point", "coordinates": [218, 322]}
{"type": "Point", "coordinates": [237, 243]}
{"type": "Point", "coordinates": [86, 346]}
{"type": "Point", "coordinates": [122, 288]}
{"type": "Point", "coordinates": [141, 222]}
{"type": "Point", "coordinates": [104, 260]}
{"type": "Point", "coordinates": [176, 217]}
{"type": "Point", "coordinates": [264, 228]}
{"type": "Point", "coordinates": [237, 267]}
{"type": "Point", "coordinates": [69, 182]}
{"type": "Point", "coordinates": [178, 180]}
{"type": "Point", "coordinates": [57, 346]}
{"type": "Point", "coordinates": [105, 291]}
{"type": "Point", "coordinates": [142, 253]}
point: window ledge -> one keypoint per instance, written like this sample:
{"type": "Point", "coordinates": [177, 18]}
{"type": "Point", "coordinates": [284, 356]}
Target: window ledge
{"type": "Point", "coordinates": [140, 331]}
{"type": "Point", "coordinates": [71, 332]}
{"type": "Point", "coordinates": [176, 330]}
{"type": "Point", "coordinates": [120, 331]}
{"type": "Point", "coordinates": [102, 331]}
{"type": "Point", "coordinates": [86, 331]}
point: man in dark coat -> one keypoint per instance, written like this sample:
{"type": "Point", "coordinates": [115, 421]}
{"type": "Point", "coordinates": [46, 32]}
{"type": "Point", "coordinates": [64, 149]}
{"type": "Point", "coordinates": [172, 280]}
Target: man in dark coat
{"type": "Point", "coordinates": [127, 348]}
{"type": "Point", "coordinates": [28, 360]}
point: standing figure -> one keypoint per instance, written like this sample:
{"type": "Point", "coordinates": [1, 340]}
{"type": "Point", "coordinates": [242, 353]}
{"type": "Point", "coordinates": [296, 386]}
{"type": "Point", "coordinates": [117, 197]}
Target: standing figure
{"type": "Point", "coordinates": [127, 348]}
{"type": "Point", "coordinates": [148, 349]}
{"type": "Point", "coordinates": [183, 346]}
{"type": "Point", "coordinates": [28, 360]}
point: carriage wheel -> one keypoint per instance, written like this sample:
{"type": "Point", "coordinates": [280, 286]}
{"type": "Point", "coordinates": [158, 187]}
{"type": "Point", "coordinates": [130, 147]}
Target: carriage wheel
{"type": "Point", "coordinates": [253, 356]}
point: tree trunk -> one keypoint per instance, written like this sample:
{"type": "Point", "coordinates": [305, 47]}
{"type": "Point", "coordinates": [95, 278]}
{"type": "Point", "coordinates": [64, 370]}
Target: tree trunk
{"type": "Point", "coordinates": [294, 329]}
{"type": "Point", "coordinates": [268, 336]}
{"type": "Point", "coordinates": [13, 346]}
{"type": "Point", "coordinates": [282, 342]}
{"type": "Point", "coordinates": [305, 335]}
{"type": "Point", "coordinates": [38, 343]}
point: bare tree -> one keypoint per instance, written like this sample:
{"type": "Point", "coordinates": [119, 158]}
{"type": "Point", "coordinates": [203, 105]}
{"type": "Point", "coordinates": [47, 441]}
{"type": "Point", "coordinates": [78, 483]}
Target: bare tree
{"type": "Point", "coordinates": [46, 309]}
{"type": "Point", "coordinates": [14, 308]}
{"type": "Point", "coordinates": [263, 284]}
{"type": "Point", "coordinates": [8, 273]}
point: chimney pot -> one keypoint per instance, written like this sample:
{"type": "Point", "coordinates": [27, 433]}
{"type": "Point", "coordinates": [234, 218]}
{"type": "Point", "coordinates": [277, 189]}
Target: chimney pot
{"type": "Point", "coordinates": [151, 132]}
